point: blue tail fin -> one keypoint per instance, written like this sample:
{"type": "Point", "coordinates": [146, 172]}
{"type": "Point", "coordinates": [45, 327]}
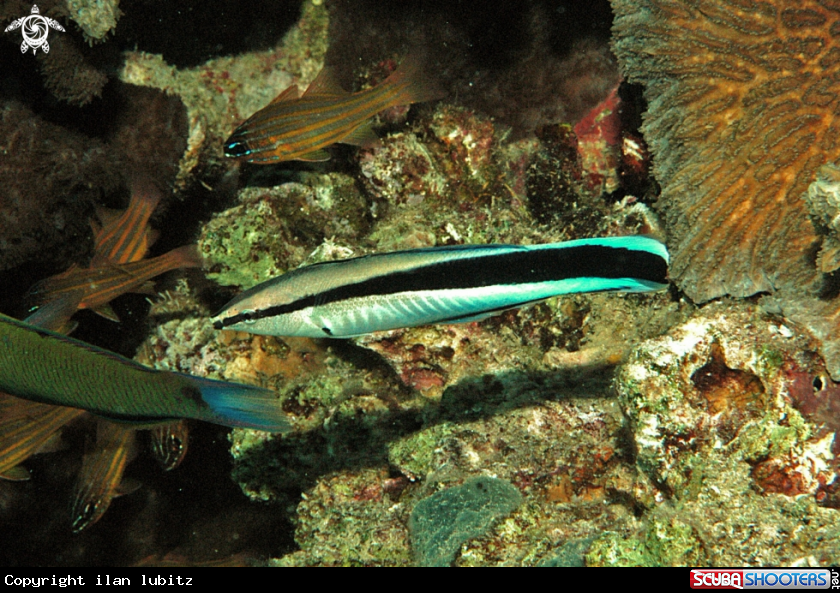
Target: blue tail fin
{"type": "Point", "coordinates": [246, 406]}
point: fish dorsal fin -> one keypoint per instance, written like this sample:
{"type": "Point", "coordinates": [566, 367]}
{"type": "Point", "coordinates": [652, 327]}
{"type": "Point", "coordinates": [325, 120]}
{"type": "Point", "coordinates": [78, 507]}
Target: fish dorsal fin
{"type": "Point", "coordinates": [362, 136]}
{"type": "Point", "coordinates": [290, 94]}
{"type": "Point", "coordinates": [325, 84]}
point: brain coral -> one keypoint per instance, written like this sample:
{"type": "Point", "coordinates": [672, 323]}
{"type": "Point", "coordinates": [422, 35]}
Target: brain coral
{"type": "Point", "coordinates": [743, 102]}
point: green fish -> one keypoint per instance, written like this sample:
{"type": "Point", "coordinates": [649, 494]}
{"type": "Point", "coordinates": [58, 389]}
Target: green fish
{"type": "Point", "coordinates": [43, 366]}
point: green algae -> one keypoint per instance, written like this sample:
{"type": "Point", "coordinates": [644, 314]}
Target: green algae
{"type": "Point", "coordinates": [571, 554]}
{"type": "Point", "coordinates": [774, 435]}
{"type": "Point", "coordinates": [441, 523]}
{"type": "Point", "coordinates": [665, 542]}
{"type": "Point", "coordinates": [371, 527]}
{"type": "Point", "coordinates": [276, 229]}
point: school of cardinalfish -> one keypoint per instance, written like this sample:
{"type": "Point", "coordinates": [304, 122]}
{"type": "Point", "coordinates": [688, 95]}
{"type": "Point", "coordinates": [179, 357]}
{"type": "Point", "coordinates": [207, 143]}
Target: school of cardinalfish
{"type": "Point", "coordinates": [117, 267]}
{"type": "Point", "coordinates": [291, 127]}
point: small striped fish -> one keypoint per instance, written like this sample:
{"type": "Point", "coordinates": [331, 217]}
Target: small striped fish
{"type": "Point", "coordinates": [293, 128]}
{"type": "Point", "coordinates": [25, 427]}
{"type": "Point", "coordinates": [452, 284]}
{"type": "Point", "coordinates": [101, 476]}
{"type": "Point", "coordinates": [169, 444]}
{"type": "Point", "coordinates": [102, 284]}
{"type": "Point", "coordinates": [126, 237]}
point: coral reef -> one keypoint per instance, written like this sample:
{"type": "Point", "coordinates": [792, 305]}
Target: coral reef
{"type": "Point", "coordinates": [67, 70]}
{"type": "Point", "coordinates": [50, 177]}
{"type": "Point", "coordinates": [738, 126]}
{"type": "Point", "coordinates": [388, 420]}
{"type": "Point", "coordinates": [823, 201]}
{"type": "Point", "coordinates": [68, 75]}
{"type": "Point", "coordinates": [364, 510]}
{"type": "Point", "coordinates": [95, 17]}
{"type": "Point", "coordinates": [224, 91]}
{"type": "Point", "coordinates": [723, 416]}
{"type": "Point", "coordinates": [608, 442]}
{"type": "Point", "coordinates": [275, 229]}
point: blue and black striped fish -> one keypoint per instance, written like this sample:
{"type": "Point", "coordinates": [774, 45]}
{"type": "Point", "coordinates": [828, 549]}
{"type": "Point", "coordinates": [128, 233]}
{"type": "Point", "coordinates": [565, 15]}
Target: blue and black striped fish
{"type": "Point", "coordinates": [452, 284]}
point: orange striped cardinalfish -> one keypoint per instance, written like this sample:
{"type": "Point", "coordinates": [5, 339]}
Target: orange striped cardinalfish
{"type": "Point", "coordinates": [117, 265]}
{"type": "Point", "coordinates": [25, 429]}
{"type": "Point", "coordinates": [101, 478]}
{"type": "Point", "coordinates": [102, 284]}
{"type": "Point", "coordinates": [298, 128]}
{"type": "Point", "coordinates": [126, 237]}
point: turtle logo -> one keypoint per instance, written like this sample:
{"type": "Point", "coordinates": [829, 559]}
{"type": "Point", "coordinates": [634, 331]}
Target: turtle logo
{"type": "Point", "coordinates": [35, 29]}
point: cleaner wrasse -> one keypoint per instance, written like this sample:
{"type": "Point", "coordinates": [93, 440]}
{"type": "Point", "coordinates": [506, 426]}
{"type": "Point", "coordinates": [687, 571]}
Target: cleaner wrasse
{"type": "Point", "coordinates": [452, 284]}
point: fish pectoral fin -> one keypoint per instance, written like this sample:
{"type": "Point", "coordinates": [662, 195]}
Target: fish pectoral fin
{"type": "Point", "coordinates": [145, 288]}
{"type": "Point", "coordinates": [325, 84]}
{"type": "Point", "coordinates": [315, 156]}
{"type": "Point", "coordinates": [363, 136]}
{"type": "Point", "coordinates": [290, 94]}
{"type": "Point", "coordinates": [107, 312]}
{"type": "Point", "coordinates": [17, 473]}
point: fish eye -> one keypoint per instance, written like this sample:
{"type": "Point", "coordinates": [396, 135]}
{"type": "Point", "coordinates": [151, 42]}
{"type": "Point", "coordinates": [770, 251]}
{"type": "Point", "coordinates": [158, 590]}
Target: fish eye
{"type": "Point", "coordinates": [248, 316]}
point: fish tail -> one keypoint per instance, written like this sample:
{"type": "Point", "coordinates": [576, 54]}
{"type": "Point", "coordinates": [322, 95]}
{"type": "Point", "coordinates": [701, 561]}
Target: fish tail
{"type": "Point", "coordinates": [186, 256]}
{"type": "Point", "coordinates": [246, 406]}
{"type": "Point", "coordinates": [644, 247]}
{"type": "Point", "coordinates": [413, 81]}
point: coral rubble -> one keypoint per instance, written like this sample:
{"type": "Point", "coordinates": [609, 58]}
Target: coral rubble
{"type": "Point", "coordinates": [722, 416]}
